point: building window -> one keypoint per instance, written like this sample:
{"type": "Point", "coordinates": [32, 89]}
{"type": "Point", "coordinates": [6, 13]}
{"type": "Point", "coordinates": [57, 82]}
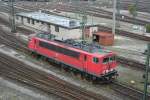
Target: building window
{"type": "Point", "coordinates": [21, 18]}
{"type": "Point", "coordinates": [37, 21]}
{"type": "Point", "coordinates": [57, 28]}
{"type": "Point", "coordinates": [95, 60]}
{"type": "Point", "coordinates": [48, 25]}
{"type": "Point", "coordinates": [28, 20]}
{"type": "Point", "coordinates": [33, 22]}
{"type": "Point", "coordinates": [42, 22]}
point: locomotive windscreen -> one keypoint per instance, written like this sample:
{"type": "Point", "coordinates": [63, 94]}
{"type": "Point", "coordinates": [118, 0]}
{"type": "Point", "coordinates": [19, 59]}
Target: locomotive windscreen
{"type": "Point", "coordinates": [59, 49]}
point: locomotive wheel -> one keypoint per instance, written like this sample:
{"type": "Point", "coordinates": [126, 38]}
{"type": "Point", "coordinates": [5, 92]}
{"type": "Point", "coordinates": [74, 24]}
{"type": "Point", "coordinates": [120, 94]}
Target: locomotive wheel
{"type": "Point", "coordinates": [110, 79]}
{"type": "Point", "coordinates": [33, 54]}
{"type": "Point", "coordinates": [61, 66]}
{"type": "Point", "coordinates": [39, 57]}
{"type": "Point", "coordinates": [75, 72]}
{"type": "Point", "coordinates": [70, 69]}
{"type": "Point", "coordinates": [82, 75]}
{"type": "Point", "coordinates": [43, 58]}
{"type": "Point", "coordinates": [64, 69]}
{"type": "Point", "coordinates": [72, 73]}
{"type": "Point", "coordinates": [88, 77]}
{"type": "Point", "coordinates": [107, 80]}
{"type": "Point", "coordinates": [94, 80]}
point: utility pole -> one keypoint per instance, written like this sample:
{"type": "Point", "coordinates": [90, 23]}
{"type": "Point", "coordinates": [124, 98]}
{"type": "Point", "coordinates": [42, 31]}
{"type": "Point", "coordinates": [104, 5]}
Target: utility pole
{"type": "Point", "coordinates": [83, 23]}
{"type": "Point", "coordinates": [12, 16]}
{"type": "Point", "coordinates": [146, 73]}
{"type": "Point", "coordinates": [136, 7]}
{"type": "Point", "coordinates": [118, 13]}
{"type": "Point", "coordinates": [114, 17]}
{"type": "Point", "coordinates": [136, 4]}
{"type": "Point", "coordinates": [84, 18]}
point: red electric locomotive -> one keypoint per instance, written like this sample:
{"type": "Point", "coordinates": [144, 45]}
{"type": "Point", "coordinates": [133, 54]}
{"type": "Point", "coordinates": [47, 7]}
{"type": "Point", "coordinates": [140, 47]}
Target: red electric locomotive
{"type": "Point", "coordinates": [90, 59]}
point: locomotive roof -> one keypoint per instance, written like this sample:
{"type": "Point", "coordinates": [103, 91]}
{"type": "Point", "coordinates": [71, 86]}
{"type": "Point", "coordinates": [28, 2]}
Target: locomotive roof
{"type": "Point", "coordinates": [96, 51]}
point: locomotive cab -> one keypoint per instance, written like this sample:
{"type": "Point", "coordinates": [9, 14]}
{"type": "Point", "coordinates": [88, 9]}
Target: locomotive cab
{"type": "Point", "coordinates": [103, 65]}
{"type": "Point", "coordinates": [92, 60]}
{"type": "Point", "coordinates": [109, 64]}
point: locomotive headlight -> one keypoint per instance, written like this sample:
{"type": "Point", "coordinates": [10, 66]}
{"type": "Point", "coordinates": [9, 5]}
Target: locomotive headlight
{"type": "Point", "coordinates": [107, 71]}
{"type": "Point", "coordinates": [103, 72]}
{"type": "Point", "coordinates": [111, 69]}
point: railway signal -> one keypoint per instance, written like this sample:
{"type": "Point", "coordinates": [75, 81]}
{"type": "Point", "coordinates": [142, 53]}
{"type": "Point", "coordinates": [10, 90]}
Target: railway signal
{"type": "Point", "coordinates": [146, 73]}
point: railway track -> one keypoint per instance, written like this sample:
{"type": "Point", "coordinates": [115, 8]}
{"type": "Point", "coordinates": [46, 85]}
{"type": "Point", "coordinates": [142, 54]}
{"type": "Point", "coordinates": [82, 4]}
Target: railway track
{"type": "Point", "coordinates": [75, 93]}
{"type": "Point", "coordinates": [131, 92]}
{"type": "Point", "coordinates": [131, 62]}
{"type": "Point", "coordinates": [8, 40]}
{"type": "Point", "coordinates": [143, 5]}
{"type": "Point", "coordinates": [12, 41]}
{"type": "Point", "coordinates": [7, 37]}
{"type": "Point", "coordinates": [17, 70]}
{"type": "Point", "coordinates": [120, 88]}
{"type": "Point", "coordinates": [77, 8]}
{"type": "Point", "coordinates": [125, 33]}
{"type": "Point", "coordinates": [99, 11]}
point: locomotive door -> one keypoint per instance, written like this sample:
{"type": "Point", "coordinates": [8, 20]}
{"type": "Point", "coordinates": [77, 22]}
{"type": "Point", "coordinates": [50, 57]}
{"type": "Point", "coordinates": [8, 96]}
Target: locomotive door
{"type": "Point", "coordinates": [36, 44]}
{"type": "Point", "coordinates": [85, 63]}
{"type": "Point", "coordinates": [107, 63]}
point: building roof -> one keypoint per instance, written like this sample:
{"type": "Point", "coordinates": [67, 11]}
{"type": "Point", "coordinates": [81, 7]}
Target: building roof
{"type": "Point", "coordinates": [54, 20]}
{"type": "Point", "coordinates": [104, 34]}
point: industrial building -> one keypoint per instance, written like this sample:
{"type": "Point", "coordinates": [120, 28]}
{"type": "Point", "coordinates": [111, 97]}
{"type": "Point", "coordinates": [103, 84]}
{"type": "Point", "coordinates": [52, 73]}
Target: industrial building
{"type": "Point", "coordinates": [59, 26]}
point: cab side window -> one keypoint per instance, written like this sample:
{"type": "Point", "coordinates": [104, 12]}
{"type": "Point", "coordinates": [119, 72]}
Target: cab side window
{"type": "Point", "coordinates": [113, 58]}
{"type": "Point", "coordinates": [105, 60]}
{"type": "Point", "coordinates": [95, 60]}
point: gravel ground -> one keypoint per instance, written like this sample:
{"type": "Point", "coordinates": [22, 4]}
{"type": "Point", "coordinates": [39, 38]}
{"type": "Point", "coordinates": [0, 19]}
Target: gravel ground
{"type": "Point", "coordinates": [10, 90]}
